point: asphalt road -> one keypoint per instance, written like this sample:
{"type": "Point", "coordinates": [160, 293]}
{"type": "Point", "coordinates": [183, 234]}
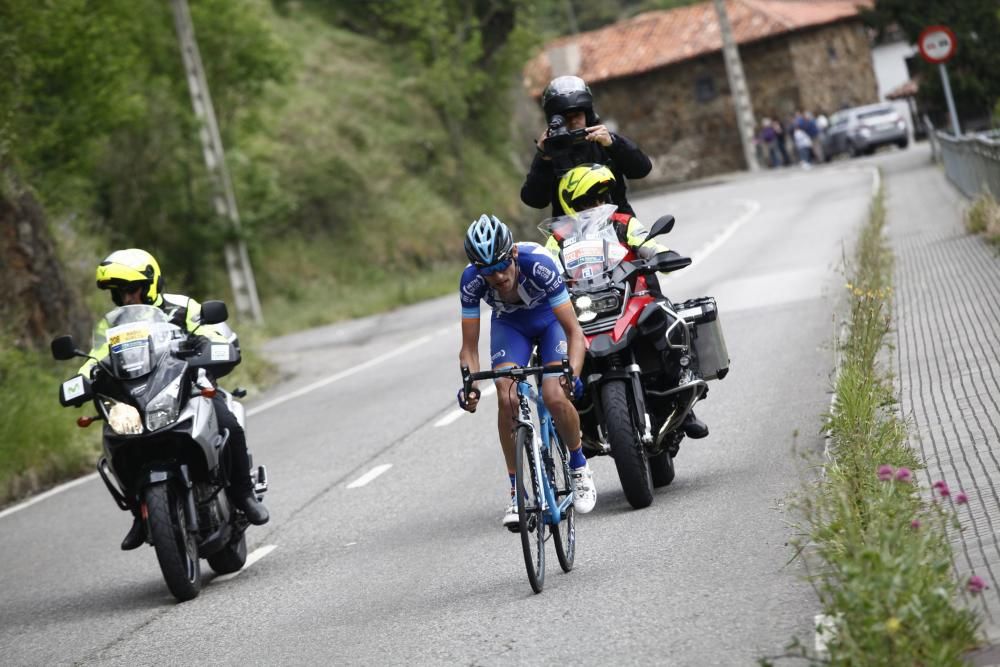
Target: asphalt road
{"type": "Point", "coordinates": [413, 566]}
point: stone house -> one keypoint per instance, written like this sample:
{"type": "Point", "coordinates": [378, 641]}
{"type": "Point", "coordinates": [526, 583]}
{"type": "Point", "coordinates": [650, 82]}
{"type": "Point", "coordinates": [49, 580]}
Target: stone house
{"type": "Point", "coordinates": [660, 77]}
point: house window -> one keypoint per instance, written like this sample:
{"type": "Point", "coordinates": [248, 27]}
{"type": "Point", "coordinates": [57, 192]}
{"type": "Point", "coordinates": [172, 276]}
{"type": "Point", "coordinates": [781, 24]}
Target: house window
{"type": "Point", "coordinates": [704, 89]}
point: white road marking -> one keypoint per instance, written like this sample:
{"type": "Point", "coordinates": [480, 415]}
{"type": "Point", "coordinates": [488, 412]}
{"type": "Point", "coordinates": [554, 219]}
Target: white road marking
{"type": "Point", "coordinates": [458, 412]}
{"type": "Point", "coordinates": [255, 410]}
{"type": "Point", "coordinates": [713, 245]}
{"type": "Point", "coordinates": [369, 476]}
{"type": "Point", "coordinates": [251, 559]}
{"type": "Point", "coordinates": [48, 494]}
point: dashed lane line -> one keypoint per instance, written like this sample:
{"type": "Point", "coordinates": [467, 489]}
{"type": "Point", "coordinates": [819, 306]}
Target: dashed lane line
{"type": "Point", "coordinates": [369, 476]}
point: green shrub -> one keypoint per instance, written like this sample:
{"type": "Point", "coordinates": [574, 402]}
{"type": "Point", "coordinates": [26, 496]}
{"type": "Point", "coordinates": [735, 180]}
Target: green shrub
{"type": "Point", "coordinates": [40, 443]}
{"type": "Point", "coordinates": [983, 217]}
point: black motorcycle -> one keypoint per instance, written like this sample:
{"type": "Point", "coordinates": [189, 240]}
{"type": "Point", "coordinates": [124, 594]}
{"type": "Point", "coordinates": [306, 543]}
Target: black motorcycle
{"type": "Point", "coordinates": [164, 456]}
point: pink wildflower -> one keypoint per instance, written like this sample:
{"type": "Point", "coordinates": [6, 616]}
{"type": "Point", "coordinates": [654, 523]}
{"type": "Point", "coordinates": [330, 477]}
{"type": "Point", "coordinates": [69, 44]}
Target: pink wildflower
{"type": "Point", "coordinates": [885, 472]}
{"type": "Point", "coordinates": [976, 584]}
{"type": "Point", "coordinates": [961, 498]}
{"type": "Point", "coordinates": [915, 524]}
{"type": "Point", "coordinates": [904, 475]}
{"type": "Point", "coordinates": [942, 488]}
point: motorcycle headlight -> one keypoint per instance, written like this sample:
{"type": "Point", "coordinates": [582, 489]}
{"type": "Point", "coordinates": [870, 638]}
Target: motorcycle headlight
{"type": "Point", "coordinates": [606, 303]}
{"type": "Point", "coordinates": [123, 418]}
{"type": "Point", "coordinates": [164, 408]}
{"type": "Point", "coordinates": [584, 312]}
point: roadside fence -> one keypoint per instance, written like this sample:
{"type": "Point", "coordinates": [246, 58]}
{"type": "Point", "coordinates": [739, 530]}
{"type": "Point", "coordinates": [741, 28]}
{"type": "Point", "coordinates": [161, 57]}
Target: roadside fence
{"type": "Point", "coordinates": [971, 162]}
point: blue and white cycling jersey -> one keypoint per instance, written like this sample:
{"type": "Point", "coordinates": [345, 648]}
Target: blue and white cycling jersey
{"type": "Point", "coordinates": [539, 284]}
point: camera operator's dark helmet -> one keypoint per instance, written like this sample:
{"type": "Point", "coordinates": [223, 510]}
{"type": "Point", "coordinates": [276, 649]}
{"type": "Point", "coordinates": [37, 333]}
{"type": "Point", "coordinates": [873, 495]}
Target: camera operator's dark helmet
{"type": "Point", "coordinates": [568, 93]}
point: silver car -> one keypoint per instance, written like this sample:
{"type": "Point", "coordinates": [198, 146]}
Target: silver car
{"type": "Point", "coordinates": [859, 131]}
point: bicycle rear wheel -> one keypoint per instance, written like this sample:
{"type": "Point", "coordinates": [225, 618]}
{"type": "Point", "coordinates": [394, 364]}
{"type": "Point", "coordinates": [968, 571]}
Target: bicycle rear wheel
{"type": "Point", "coordinates": [529, 509]}
{"type": "Point", "coordinates": [563, 534]}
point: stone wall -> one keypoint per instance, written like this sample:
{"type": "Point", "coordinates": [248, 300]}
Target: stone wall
{"type": "Point", "coordinates": [833, 66]}
{"type": "Point", "coordinates": [682, 115]}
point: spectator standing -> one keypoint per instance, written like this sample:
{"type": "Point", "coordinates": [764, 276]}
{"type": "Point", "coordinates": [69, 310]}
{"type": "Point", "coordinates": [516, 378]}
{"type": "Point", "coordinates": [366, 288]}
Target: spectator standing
{"type": "Point", "coordinates": [769, 139]}
{"type": "Point", "coordinates": [803, 144]}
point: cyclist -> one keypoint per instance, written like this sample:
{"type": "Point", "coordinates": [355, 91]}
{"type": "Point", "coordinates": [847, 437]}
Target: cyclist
{"type": "Point", "coordinates": [133, 278]}
{"type": "Point", "coordinates": [589, 186]}
{"type": "Point", "coordinates": [524, 287]}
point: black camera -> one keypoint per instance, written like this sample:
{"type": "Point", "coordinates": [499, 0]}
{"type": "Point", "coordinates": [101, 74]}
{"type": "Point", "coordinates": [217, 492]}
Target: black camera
{"type": "Point", "coordinates": [559, 137]}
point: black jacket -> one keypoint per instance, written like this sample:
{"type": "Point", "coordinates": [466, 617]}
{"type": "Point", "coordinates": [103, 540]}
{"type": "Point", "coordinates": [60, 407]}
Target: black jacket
{"type": "Point", "coordinates": [622, 157]}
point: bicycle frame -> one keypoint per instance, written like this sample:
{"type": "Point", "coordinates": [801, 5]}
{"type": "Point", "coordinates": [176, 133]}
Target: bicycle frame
{"type": "Point", "coordinates": [552, 509]}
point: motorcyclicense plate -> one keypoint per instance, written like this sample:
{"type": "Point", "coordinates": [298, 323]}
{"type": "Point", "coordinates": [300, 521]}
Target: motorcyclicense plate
{"type": "Point", "coordinates": [220, 352]}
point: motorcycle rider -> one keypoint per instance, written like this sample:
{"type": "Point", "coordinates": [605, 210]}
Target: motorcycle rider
{"type": "Point", "coordinates": [524, 287]}
{"type": "Point", "coordinates": [133, 277]}
{"type": "Point", "coordinates": [588, 186]}
{"type": "Point", "coordinates": [568, 100]}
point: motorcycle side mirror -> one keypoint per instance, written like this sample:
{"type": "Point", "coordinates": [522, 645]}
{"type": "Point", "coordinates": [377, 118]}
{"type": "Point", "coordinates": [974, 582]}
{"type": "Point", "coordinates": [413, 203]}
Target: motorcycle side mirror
{"type": "Point", "coordinates": [63, 348]}
{"type": "Point", "coordinates": [214, 312]}
{"type": "Point", "coordinates": [662, 226]}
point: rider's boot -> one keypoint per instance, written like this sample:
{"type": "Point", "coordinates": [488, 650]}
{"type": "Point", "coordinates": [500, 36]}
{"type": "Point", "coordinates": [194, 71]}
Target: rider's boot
{"type": "Point", "coordinates": [693, 427]}
{"type": "Point", "coordinates": [136, 535]}
{"type": "Point", "coordinates": [256, 513]}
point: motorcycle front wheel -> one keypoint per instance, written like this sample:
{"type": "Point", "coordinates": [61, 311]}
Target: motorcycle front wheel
{"type": "Point", "coordinates": [626, 448]}
{"type": "Point", "coordinates": [176, 546]}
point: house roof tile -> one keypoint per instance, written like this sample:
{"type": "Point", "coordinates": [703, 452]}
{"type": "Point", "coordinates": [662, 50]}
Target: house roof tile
{"type": "Point", "coordinates": [659, 38]}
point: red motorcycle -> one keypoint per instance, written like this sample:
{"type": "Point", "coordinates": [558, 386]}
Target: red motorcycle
{"type": "Point", "coordinates": [648, 360]}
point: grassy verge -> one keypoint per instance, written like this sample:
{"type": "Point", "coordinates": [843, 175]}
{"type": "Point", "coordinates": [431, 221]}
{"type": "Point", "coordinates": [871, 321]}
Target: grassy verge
{"type": "Point", "coordinates": [983, 217]}
{"type": "Point", "coordinates": [875, 545]}
{"type": "Point", "coordinates": [40, 443]}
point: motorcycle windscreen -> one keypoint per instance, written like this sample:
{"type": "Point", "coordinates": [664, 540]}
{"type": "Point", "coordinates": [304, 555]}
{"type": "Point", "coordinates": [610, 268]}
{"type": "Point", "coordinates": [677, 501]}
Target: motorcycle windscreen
{"type": "Point", "coordinates": [137, 336]}
{"type": "Point", "coordinates": [129, 347]}
{"type": "Point", "coordinates": [588, 262]}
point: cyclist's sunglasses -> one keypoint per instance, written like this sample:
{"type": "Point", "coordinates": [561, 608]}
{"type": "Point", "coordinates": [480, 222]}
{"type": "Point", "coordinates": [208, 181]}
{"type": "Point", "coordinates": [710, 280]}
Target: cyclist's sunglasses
{"type": "Point", "coordinates": [496, 267]}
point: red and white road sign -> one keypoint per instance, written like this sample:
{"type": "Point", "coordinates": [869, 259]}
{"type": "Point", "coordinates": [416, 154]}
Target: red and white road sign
{"type": "Point", "coordinates": [936, 44]}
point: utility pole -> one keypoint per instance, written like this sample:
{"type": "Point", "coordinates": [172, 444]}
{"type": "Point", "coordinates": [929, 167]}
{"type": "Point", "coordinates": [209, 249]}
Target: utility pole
{"type": "Point", "coordinates": [237, 259]}
{"type": "Point", "coordinates": [737, 86]}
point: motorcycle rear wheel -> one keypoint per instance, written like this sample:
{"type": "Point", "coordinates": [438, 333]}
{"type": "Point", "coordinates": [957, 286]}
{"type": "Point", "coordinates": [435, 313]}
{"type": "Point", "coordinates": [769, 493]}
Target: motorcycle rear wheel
{"type": "Point", "coordinates": [231, 558]}
{"type": "Point", "coordinates": [661, 469]}
{"type": "Point", "coordinates": [627, 450]}
{"type": "Point", "coordinates": [176, 547]}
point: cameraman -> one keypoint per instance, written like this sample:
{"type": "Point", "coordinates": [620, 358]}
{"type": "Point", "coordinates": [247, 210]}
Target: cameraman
{"type": "Point", "coordinates": [574, 136]}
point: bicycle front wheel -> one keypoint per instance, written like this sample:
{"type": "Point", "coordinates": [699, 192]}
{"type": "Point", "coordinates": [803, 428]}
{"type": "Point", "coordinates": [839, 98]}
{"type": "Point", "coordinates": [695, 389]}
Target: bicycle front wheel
{"type": "Point", "coordinates": [529, 509]}
{"type": "Point", "coordinates": [564, 533]}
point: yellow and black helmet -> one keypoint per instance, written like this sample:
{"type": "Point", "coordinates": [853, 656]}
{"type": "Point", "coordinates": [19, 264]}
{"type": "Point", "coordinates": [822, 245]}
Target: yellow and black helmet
{"type": "Point", "coordinates": [130, 267]}
{"type": "Point", "coordinates": [584, 186]}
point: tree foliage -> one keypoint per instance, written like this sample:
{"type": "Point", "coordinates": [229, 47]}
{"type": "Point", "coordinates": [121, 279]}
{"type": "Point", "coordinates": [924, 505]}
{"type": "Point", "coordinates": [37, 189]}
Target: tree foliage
{"type": "Point", "coordinates": [95, 114]}
{"type": "Point", "coordinates": [974, 76]}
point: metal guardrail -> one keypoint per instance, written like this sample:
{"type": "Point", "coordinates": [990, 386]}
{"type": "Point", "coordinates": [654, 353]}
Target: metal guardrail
{"type": "Point", "coordinates": [972, 161]}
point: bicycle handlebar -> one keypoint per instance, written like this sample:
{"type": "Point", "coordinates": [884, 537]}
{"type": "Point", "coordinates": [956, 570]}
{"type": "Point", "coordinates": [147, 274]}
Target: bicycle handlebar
{"type": "Point", "coordinates": [514, 372]}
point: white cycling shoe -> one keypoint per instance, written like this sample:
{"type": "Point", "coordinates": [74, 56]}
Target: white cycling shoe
{"type": "Point", "coordinates": [510, 516]}
{"type": "Point", "coordinates": [584, 491]}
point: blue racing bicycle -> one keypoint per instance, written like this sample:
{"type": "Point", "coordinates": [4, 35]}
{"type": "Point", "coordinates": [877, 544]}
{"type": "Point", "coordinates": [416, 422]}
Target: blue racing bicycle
{"type": "Point", "coordinates": [543, 486]}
